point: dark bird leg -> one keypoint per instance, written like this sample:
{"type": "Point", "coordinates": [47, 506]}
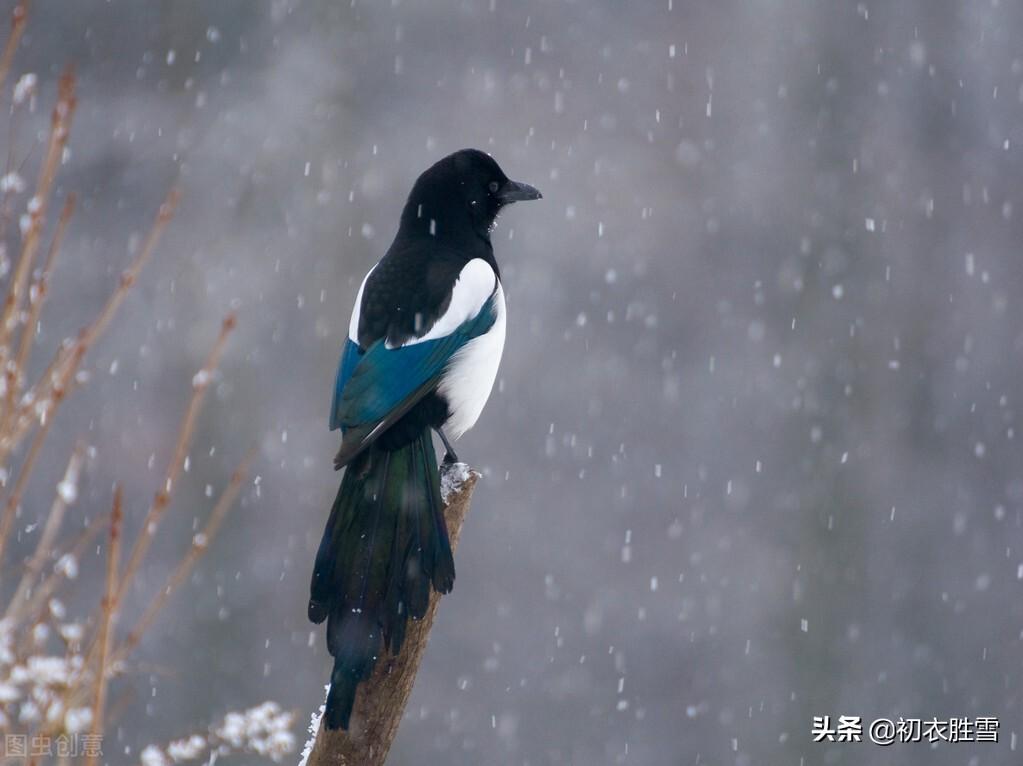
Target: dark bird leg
{"type": "Point", "coordinates": [449, 454]}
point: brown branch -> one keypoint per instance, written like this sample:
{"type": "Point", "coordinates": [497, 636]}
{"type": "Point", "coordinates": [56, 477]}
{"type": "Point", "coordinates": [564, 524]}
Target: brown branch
{"type": "Point", "coordinates": [66, 491]}
{"type": "Point", "coordinates": [200, 543]}
{"type": "Point", "coordinates": [59, 376]}
{"type": "Point", "coordinates": [41, 595]}
{"type": "Point", "coordinates": [60, 126]}
{"type": "Point", "coordinates": [24, 473]}
{"type": "Point", "coordinates": [37, 293]}
{"type": "Point", "coordinates": [129, 275]}
{"type": "Point", "coordinates": [380, 702]}
{"type": "Point", "coordinates": [18, 17]}
{"type": "Point", "coordinates": [100, 650]}
{"type": "Point", "coordinates": [107, 617]}
{"type": "Point", "coordinates": [163, 496]}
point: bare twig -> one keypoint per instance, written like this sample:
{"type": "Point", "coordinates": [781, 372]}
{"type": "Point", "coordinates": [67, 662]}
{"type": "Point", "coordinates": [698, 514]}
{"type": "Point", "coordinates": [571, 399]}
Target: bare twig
{"type": "Point", "coordinates": [27, 412]}
{"type": "Point", "coordinates": [18, 18]}
{"type": "Point", "coordinates": [60, 126]}
{"type": "Point", "coordinates": [380, 702]}
{"type": "Point", "coordinates": [24, 473]}
{"type": "Point", "coordinates": [163, 496]}
{"type": "Point", "coordinates": [107, 618]}
{"type": "Point", "coordinates": [59, 375]}
{"type": "Point", "coordinates": [64, 497]}
{"type": "Point", "coordinates": [37, 292]}
{"type": "Point", "coordinates": [76, 685]}
{"type": "Point", "coordinates": [41, 594]}
{"type": "Point", "coordinates": [129, 275]}
{"type": "Point", "coordinates": [200, 543]}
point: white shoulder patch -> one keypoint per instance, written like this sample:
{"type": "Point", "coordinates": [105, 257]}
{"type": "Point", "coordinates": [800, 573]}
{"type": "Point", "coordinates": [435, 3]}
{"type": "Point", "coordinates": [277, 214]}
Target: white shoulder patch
{"type": "Point", "coordinates": [353, 325]}
{"type": "Point", "coordinates": [475, 284]}
{"type": "Point", "coordinates": [470, 375]}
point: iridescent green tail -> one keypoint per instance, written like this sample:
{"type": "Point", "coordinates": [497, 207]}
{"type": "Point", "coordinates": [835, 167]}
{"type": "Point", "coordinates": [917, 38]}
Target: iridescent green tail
{"type": "Point", "coordinates": [384, 545]}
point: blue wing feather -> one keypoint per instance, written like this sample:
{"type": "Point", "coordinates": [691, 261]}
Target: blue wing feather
{"type": "Point", "coordinates": [382, 380]}
{"type": "Point", "coordinates": [350, 355]}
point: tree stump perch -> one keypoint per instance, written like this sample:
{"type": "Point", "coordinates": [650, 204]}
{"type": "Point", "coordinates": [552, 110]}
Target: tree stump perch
{"type": "Point", "coordinates": [380, 702]}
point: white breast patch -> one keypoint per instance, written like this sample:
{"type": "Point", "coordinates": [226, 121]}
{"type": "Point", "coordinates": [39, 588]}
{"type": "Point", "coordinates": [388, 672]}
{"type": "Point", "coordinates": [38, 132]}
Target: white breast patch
{"type": "Point", "coordinates": [471, 374]}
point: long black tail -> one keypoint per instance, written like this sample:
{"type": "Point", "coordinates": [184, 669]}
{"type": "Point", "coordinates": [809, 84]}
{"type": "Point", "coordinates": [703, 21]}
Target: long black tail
{"type": "Point", "coordinates": [384, 544]}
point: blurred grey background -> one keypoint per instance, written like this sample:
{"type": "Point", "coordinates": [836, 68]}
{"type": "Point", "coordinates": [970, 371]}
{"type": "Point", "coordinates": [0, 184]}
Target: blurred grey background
{"type": "Point", "coordinates": [752, 456]}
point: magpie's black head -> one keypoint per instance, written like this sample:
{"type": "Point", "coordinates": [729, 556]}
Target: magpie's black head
{"type": "Point", "coordinates": [462, 195]}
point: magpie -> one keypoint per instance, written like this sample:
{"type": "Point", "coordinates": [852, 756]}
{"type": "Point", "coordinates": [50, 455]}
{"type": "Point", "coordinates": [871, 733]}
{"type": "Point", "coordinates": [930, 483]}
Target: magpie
{"type": "Point", "coordinates": [424, 343]}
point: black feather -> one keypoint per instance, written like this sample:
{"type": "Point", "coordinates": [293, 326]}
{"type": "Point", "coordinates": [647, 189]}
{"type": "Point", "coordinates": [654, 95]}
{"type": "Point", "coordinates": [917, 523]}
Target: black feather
{"type": "Point", "coordinates": [384, 544]}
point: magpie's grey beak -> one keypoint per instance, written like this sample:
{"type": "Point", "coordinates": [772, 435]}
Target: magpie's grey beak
{"type": "Point", "coordinates": [513, 191]}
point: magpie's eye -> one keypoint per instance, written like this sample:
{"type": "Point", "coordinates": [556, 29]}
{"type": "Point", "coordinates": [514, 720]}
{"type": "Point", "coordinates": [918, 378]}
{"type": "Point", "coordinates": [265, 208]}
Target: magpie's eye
{"type": "Point", "coordinates": [493, 186]}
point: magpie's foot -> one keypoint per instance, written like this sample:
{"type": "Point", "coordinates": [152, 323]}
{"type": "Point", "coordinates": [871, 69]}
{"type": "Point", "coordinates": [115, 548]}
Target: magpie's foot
{"type": "Point", "coordinates": [449, 454]}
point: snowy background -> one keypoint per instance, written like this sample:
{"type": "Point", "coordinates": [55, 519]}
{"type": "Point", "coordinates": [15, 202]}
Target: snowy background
{"type": "Point", "coordinates": [752, 456]}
